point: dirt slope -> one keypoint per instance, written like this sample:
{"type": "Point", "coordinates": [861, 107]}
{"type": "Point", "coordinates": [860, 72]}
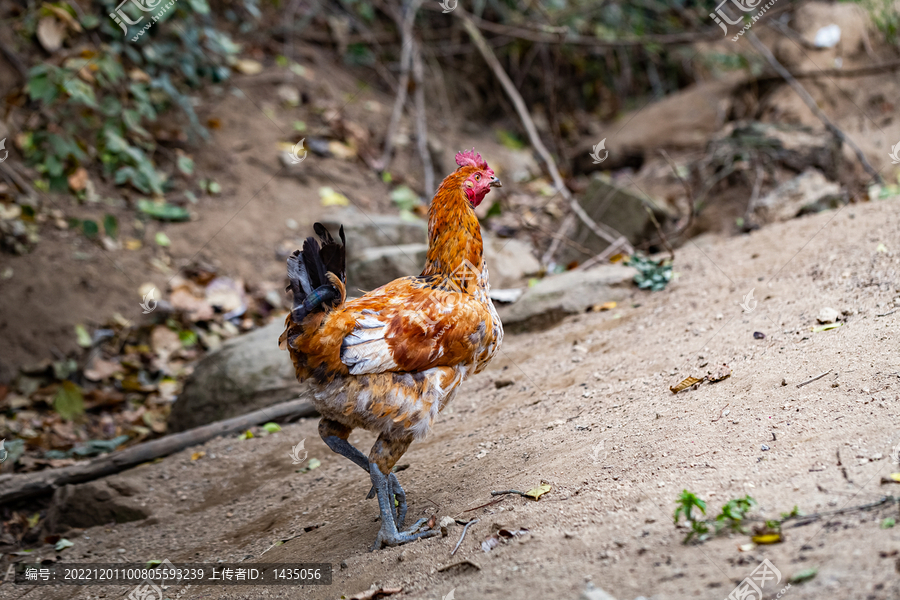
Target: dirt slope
{"type": "Point", "coordinates": [590, 412]}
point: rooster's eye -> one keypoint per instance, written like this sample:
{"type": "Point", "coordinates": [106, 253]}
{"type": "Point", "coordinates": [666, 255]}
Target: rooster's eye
{"type": "Point", "coordinates": [477, 176]}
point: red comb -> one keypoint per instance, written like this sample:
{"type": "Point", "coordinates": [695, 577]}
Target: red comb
{"type": "Point", "coordinates": [470, 158]}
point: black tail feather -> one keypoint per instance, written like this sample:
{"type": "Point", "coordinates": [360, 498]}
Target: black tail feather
{"type": "Point", "coordinates": [307, 272]}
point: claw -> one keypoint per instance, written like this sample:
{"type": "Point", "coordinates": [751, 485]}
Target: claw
{"type": "Point", "coordinates": [389, 492]}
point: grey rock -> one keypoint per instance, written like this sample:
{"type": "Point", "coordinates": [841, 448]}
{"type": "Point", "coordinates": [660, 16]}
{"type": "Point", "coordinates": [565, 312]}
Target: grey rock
{"type": "Point", "coordinates": [616, 207]}
{"type": "Point", "coordinates": [554, 298]}
{"type": "Point", "coordinates": [828, 315]}
{"type": "Point", "coordinates": [365, 230]}
{"type": "Point", "coordinates": [509, 261]}
{"type": "Point", "coordinates": [247, 373]}
{"type": "Point", "coordinates": [373, 267]}
{"type": "Point", "coordinates": [95, 503]}
{"type": "Point", "coordinates": [806, 193]}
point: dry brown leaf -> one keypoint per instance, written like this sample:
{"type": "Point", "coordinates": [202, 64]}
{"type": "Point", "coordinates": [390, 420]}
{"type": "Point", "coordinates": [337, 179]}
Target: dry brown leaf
{"type": "Point", "coordinates": [78, 179]}
{"type": "Point", "coordinates": [197, 309]}
{"type": "Point", "coordinates": [248, 66]}
{"type": "Point", "coordinates": [63, 16]}
{"type": "Point", "coordinates": [686, 383]}
{"type": "Point", "coordinates": [604, 307]}
{"type": "Point", "coordinates": [50, 33]}
{"type": "Point", "coordinates": [198, 455]}
{"type": "Point", "coordinates": [136, 74]}
{"type": "Point", "coordinates": [102, 369]}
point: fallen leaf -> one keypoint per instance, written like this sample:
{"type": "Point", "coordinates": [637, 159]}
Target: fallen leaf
{"type": "Point", "coordinates": [50, 33]}
{"type": "Point", "coordinates": [163, 211]}
{"type": "Point", "coordinates": [825, 327]}
{"type": "Point", "coordinates": [804, 575]}
{"type": "Point", "coordinates": [63, 16]}
{"type": "Point", "coordinates": [198, 455]}
{"type": "Point", "coordinates": [133, 244]}
{"type": "Point", "coordinates": [68, 401]}
{"type": "Point", "coordinates": [248, 66]}
{"type": "Point", "coordinates": [82, 336]}
{"type": "Point", "coordinates": [538, 491]}
{"type": "Point", "coordinates": [102, 369]}
{"type": "Point", "coordinates": [332, 198]}
{"type": "Point", "coordinates": [604, 307]}
{"type": "Point", "coordinates": [340, 150]}
{"type": "Point", "coordinates": [314, 463]}
{"type": "Point", "coordinates": [502, 535]}
{"type": "Point", "coordinates": [685, 383]}
{"type": "Point", "coordinates": [272, 427]}
{"type": "Point", "coordinates": [63, 544]}
{"type": "Point", "coordinates": [247, 435]}
{"type": "Point", "coordinates": [767, 538]}
{"type": "Point", "coordinates": [78, 179]}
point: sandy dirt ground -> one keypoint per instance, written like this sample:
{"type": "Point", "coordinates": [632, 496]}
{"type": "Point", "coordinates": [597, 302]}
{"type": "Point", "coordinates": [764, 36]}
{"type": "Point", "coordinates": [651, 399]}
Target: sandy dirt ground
{"type": "Point", "coordinates": [589, 411]}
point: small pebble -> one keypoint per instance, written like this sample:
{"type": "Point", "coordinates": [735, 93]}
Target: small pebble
{"type": "Point", "coordinates": [763, 447]}
{"type": "Point", "coordinates": [828, 315]}
{"type": "Point", "coordinates": [447, 522]}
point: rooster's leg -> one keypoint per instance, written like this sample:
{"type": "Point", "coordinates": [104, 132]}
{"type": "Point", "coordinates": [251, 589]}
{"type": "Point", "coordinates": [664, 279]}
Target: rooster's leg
{"type": "Point", "coordinates": [335, 436]}
{"type": "Point", "coordinates": [385, 454]}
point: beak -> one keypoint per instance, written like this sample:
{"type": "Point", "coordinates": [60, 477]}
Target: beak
{"type": "Point", "coordinates": [495, 182]}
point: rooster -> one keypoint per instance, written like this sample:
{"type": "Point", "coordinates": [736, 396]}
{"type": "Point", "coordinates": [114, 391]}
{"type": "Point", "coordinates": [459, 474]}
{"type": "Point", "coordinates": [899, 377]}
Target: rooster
{"type": "Point", "coordinates": [391, 360]}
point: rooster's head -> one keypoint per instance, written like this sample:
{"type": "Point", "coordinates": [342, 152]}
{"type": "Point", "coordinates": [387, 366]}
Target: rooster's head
{"type": "Point", "coordinates": [477, 177]}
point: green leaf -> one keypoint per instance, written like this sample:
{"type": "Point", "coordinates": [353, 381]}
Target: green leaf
{"type": "Point", "coordinates": [804, 575]}
{"type": "Point", "coordinates": [404, 197]}
{"type": "Point", "coordinates": [111, 226]}
{"type": "Point", "coordinates": [80, 91]}
{"type": "Point", "coordinates": [163, 211]}
{"type": "Point", "coordinates": [68, 402]}
{"type": "Point", "coordinates": [888, 522]}
{"type": "Point", "coordinates": [83, 337]}
{"type": "Point", "coordinates": [90, 228]}
{"type": "Point", "coordinates": [272, 427]}
{"type": "Point", "coordinates": [162, 239]}
{"type": "Point", "coordinates": [214, 188]}
{"type": "Point", "coordinates": [188, 338]}
{"type": "Point", "coordinates": [185, 164]}
{"type": "Point", "coordinates": [42, 89]}
{"type": "Point", "coordinates": [63, 544]}
{"type": "Point", "coordinates": [314, 463]}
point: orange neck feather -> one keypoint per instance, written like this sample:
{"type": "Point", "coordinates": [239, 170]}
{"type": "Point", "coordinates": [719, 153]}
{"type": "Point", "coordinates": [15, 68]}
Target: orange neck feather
{"type": "Point", "coordinates": [454, 235]}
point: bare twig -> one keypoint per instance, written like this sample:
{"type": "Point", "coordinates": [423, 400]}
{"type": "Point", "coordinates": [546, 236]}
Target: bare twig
{"type": "Point", "coordinates": [816, 378]}
{"type": "Point", "coordinates": [421, 123]}
{"type": "Point", "coordinates": [564, 35]}
{"type": "Point", "coordinates": [607, 252]}
{"type": "Point", "coordinates": [888, 313]}
{"type": "Point", "coordinates": [406, 52]}
{"type": "Point", "coordinates": [687, 190]}
{"type": "Point", "coordinates": [721, 414]}
{"type": "Point", "coordinates": [463, 536]}
{"type": "Point", "coordinates": [660, 233]}
{"type": "Point", "coordinates": [501, 493]}
{"type": "Point", "coordinates": [603, 231]}
{"type": "Point", "coordinates": [811, 103]}
{"type": "Point", "coordinates": [28, 485]}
